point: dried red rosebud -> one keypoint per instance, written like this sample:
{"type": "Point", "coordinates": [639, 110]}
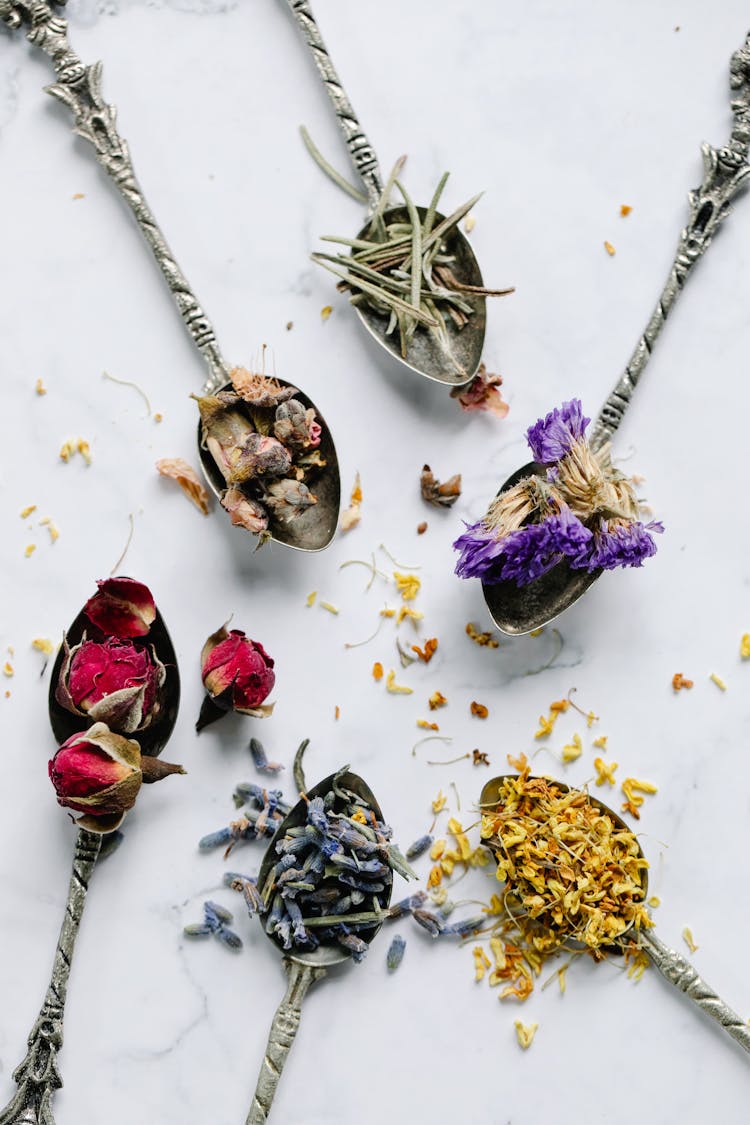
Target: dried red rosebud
{"type": "Point", "coordinates": [296, 426]}
{"type": "Point", "coordinates": [98, 773]}
{"type": "Point", "coordinates": [122, 607]}
{"type": "Point", "coordinates": [112, 682]}
{"type": "Point", "coordinates": [237, 674]}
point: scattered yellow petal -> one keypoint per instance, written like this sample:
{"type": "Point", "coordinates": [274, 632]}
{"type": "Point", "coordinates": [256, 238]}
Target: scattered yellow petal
{"type": "Point", "coordinates": [437, 850]}
{"type": "Point", "coordinates": [408, 585]}
{"type": "Point", "coordinates": [67, 449]}
{"type": "Point", "coordinates": [653, 901]}
{"type": "Point", "coordinates": [30, 550]}
{"type": "Point", "coordinates": [387, 612]}
{"type": "Point", "coordinates": [158, 417]}
{"type": "Point", "coordinates": [625, 210]}
{"type": "Point", "coordinates": [84, 449]}
{"type": "Point", "coordinates": [78, 195]}
{"type": "Point", "coordinates": [52, 528]}
{"type": "Point", "coordinates": [537, 632]}
{"type": "Point", "coordinates": [436, 700]}
{"type": "Point", "coordinates": [495, 906]}
{"type": "Point", "coordinates": [7, 695]}
{"type": "Point", "coordinates": [637, 961]}
{"type": "Point", "coordinates": [561, 978]}
{"type": "Point", "coordinates": [486, 640]}
{"type": "Point", "coordinates": [40, 388]}
{"type": "Point", "coordinates": [545, 726]}
{"type": "Point", "coordinates": [520, 763]}
{"type": "Point", "coordinates": [481, 963]}
{"type": "Point", "coordinates": [186, 477]}
{"type": "Point", "coordinates": [478, 710]}
{"type": "Point", "coordinates": [26, 512]}
{"type": "Point", "coordinates": [393, 687]}
{"type": "Point", "coordinates": [353, 514]}
{"type": "Point", "coordinates": [430, 648]}
{"type": "Point", "coordinates": [591, 718]}
{"type": "Point", "coordinates": [43, 645]}
{"type": "Point", "coordinates": [605, 773]}
{"type": "Point", "coordinates": [687, 935]}
{"type": "Point", "coordinates": [325, 312]}
{"type": "Point", "coordinates": [337, 712]}
{"type": "Point", "coordinates": [327, 605]}
{"type": "Point", "coordinates": [469, 224]}
{"type": "Point", "coordinates": [310, 599]}
{"type": "Point", "coordinates": [745, 646]}
{"type": "Point", "coordinates": [573, 749]}
{"type": "Point", "coordinates": [718, 681]}
{"type": "Point", "coordinates": [435, 877]}
{"type": "Point", "coordinates": [440, 802]}
{"type": "Point", "coordinates": [610, 249]}
{"type": "Point", "coordinates": [377, 671]}
{"type": "Point", "coordinates": [600, 743]}
{"type": "Point", "coordinates": [525, 1033]}
{"type": "Point", "coordinates": [679, 682]}
{"type": "Point", "coordinates": [559, 706]}
{"type": "Point", "coordinates": [423, 724]}
{"type": "Point", "coordinates": [633, 788]}
{"type": "Point", "coordinates": [412, 614]}
{"type": "Point", "coordinates": [439, 896]}
{"type": "Point", "coordinates": [8, 669]}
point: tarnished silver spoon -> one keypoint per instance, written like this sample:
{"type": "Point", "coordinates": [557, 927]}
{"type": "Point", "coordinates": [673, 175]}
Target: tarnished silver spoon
{"type": "Point", "coordinates": [38, 1076]}
{"type": "Point", "coordinates": [451, 356]}
{"type": "Point", "coordinates": [79, 88]}
{"type": "Point", "coordinates": [671, 964]}
{"type": "Point", "coordinates": [303, 968]}
{"type": "Point", "coordinates": [517, 610]}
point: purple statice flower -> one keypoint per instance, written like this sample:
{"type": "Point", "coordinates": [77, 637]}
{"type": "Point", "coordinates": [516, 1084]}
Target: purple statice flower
{"type": "Point", "coordinates": [620, 544]}
{"type": "Point", "coordinates": [479, 549]}
{"type": "Point", "coordinates": [533, 550]}
{"type": "Point", "coordinates": [551, 437]}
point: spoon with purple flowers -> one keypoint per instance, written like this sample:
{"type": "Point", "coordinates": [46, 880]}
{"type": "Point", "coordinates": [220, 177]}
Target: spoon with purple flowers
{"type": "Point", "coordinates": [411, 273]}
{"type": "Point", "coordinates": [261, 441]}
{"type": "Point", "coordinates": [113, 703]}
{"type": "Point", "coordinates": [569, 514]}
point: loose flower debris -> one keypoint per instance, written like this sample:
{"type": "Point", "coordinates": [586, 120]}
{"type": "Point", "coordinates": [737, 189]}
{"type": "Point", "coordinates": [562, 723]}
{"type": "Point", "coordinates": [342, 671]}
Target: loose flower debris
{"type": "Point", "coordinates": [40, 388]}
{"type": "Point", "coordinates": [605, 771]}
{"type": "Point", "coordinates": [177, 469]}
{"type": "Point", "coordinates": [625, 210]}
{"type": "Point", "coordinates": [377, 671]}
{"type": "Point", "coordinates": [329, 607]}
{"type": "Point", "coordinates": [43, 644]}
{"type": "Point", "coordinates": [325, 312]}
{"type": "Point", "coordinates": [479, 710]}
{"type": "Point", "coordinates": [310, 599]}
{"type": "Point", "coordinates": [408, 585]}
{"type": "Point", "coordinates": [610, 249]}
{"type": "Point", "coordinates": [440, 495]}
{"type": "Point", "coordinates": [52, 528]}
{"type": "Point", "coordinates": [430, 648]}
{"type": "Point", "coordinates": [30, 550]}
{"type": "Point", "coordinates": [26, 512]}
{"type": "Point", "coordinates": [721, 684]}
{"type": "Point", "coordinates": [687, 935]}
{"type": "Point", "coordinates": [485, 640]}
{"type": "Point", "coordinates": [745, 646]}
{"type": "Point", "coordinates": [353, 514]}
{"type": "Point", "coordinates": [573, 750]}
{"type": "Point", "coordinates": [424, 724]}
{"type": "Point", "coordinates": [525, 1033]}
{"type": "Point", "coordinates": [421, 527]}
{"type": "Point", "coordinates": [679, 682]}
{"type": "Point", "coordinates": [8, 669]}
{"type": "Point", "coordinates": [437, 700]}
{"type": "Point", "coordinates": [69, 448]}
{"type": "Point", "coordinates": [393, 687]}
{"type": "Point", "coordinates": [482, 394]}
{"type": "Point", "coordinates": [633, 790]}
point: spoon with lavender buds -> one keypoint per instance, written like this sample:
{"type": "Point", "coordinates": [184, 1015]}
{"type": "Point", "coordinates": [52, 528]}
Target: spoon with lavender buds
{"type": "Point", "coordinates": [636, 928]}
{"type": "Point", "coordinates": [414, 280]}
{"type": "Point", "coordinates": [521, 609]}
{"type": "Point", "coordinates": [324, 888]}
{"type": "Point", "coordinates": [260, 440]}
{"type": "Point", "coordinates": [117, 757]}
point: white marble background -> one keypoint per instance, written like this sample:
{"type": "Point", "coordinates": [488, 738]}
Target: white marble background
{"type": "Point", "coordinates": [561, 112]}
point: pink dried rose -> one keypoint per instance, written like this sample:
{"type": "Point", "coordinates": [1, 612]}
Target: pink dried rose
{"type": "Point", "coordinates": [179, 470]}
{"type": "Point", "coordinates": [482, 393]}
{"type": "Point", "coordinates": [112, 682]}
{"type": "Point", "coordinates": [121, 608]}
{"type": "Point", "coordinates": [237, 674]}
{"type": "Point", "coordinates": [99, 774]}
{"type": "Point", "coordinates": [258, 456]}
{"type": "Point", "coordinates": [244, 512]}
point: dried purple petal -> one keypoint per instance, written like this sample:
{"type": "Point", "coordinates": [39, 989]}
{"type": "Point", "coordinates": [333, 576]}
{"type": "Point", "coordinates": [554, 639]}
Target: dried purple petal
{"type": "Point", "coordinates": [261, 761]}
{"type": "Point", "coordinates": [553, 436]}
{"type": "Point", "coordinates": [396, 952]}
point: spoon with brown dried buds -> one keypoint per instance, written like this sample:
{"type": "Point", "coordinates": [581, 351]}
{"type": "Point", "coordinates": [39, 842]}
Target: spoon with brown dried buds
{"type": "Point", "coordinates": [412, 275]}
{"type": "Point", "coordinates": [323, 891]}
{"type": "Point", "coordinates": [575, 877]}
{"type": "Point", "coordinates": [261, 441]}
{"type": "Point", "coordinates": [113, 702]}
{"type": "Point", "coordinates": [558, 521]}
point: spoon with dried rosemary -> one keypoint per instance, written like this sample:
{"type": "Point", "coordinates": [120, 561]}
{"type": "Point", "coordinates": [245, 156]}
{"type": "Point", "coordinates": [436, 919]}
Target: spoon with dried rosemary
{"type": "Point", "coordinates": [521, 609]}
{"type": "Point", "coordinates": [411, 273]}
{"type": "Point", "coordinates": [575, 877]}
{"type": "Point", "coordinates": [259, 476]}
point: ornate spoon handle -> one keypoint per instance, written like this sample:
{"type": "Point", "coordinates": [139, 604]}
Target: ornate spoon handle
{"type": "Point", "coordinates": [281, 1036]}
{"type": "Point", "coordinates": [79, 88]}
{"type": "Point", "coordinates": [360, 150]}
{"type": "Point", "coordinates": [38, 1077]}
{"type": "Point", "coordinates": [679, 972]}
{"type": "Point", "coordinates": [725, 171]}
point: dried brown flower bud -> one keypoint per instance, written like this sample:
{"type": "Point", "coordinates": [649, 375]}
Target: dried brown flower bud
{"type": "Point", "coordinates": [296, 426]}
{"type": "Point", "coordinates": [442, 495]}
{"type": "Point", "coordinates": [260, 390]}
{"type": "Point", "coordinates": [245, 512]}
{"type": "Point", "coordinates": [288, 498]}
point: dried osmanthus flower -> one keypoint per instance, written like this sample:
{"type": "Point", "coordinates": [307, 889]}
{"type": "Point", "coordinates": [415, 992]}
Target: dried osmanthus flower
{"type": "Point", "coordinates": [441, 494]}
{"type": "Point", "coordinates": [237, 675]}
{"type": "Point", "coordinates": [264, 443]}
{"type": "Point", "coordinates": [99, 774]}
{"type": "Point", "coordinates": [583, 511]}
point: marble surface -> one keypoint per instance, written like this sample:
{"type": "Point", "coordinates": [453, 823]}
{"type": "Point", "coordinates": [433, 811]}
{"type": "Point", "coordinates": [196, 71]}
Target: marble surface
{"type": "Point", "coordinates": [560, 112]}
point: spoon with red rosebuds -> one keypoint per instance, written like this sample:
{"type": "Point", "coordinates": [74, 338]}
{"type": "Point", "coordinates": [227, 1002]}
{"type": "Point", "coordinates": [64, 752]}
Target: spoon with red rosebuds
{"type": "Point", "coordinates": [113, 703]}
{"type": "Point", "coordinates": [261, 441]}
{"type": "Point", "coordinates": [576, 877]}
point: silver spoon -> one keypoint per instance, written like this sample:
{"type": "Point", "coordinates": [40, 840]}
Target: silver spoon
{"type": "Point", "coordinates": [516, 610]}
{"type": "Point", "coordinates": [453, 357]}
{"type": "Point", "coordinates": [302, 968]}
{"type": "Point", "coordinates": [672, 965]}
{"type": "Point", "coordinates": [79, 88]}
{"type": "Point", "coordinates": [38, 1076]}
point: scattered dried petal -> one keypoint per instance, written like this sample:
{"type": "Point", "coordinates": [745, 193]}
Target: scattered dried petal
{"type": "Point", "coordinates": [67, 449]}
{"type": "Point", "coordinates": [26, 512]}
{"type": "Point", "coordinates": [84, 449]}
{"type": "Point", "coordinates": [413, 615]}
{"type": "Point", "coordinates": [158, 417]}
{"type": "Point", "coordinates": [679, 682]}
{"type": "Point", "coordinates": [721, 684]}
{"type": "Point", "coordinates": [486, 640]}
{"type": "Point", "coordinates": [605, 772]}
{"type": "Point", "coordinates": [408, 585]}
{"type": "Point", "coordinates": [40, 388]}
{"type": "Point", "coordinates": [327, 605]}
{"type": "Point", "coordinates": [479, 758]}
{"type": "Point", "coordinates": [8, 669]}
{"type": "Point", "coordinates": [310, 599]}
{"type": "Point", "coordinates": [520, 763]}
{"type": "Point", "coordinates": [436, 700]}
{"type": "Point", "coordinates": [600, 743]}
{"type": "Point", "coordinates": [479, 710]}
{"type": "Point", "coordinates": [482, 393]}
{"type": "Point", "coordinates": [440, 495]}
{"type": "Point", "coordinates": [393, 687]}
{"type": "Point", "coordinates": [30, 550]}
{"type": "Point", "coordinates": [353, 514]}
{"type": "Point", "coordinates": [186, 477]}
{"type": "Point", "coordinates": [325, 312]}
{"type": "Point", "coordinates": [610, 249]}
{"type": "Point", "coordinates": [423, 724]}
{"type": "Point", "coordinates": [377, 671]}
{"type": "Point", "coordinates": [469, 223]}
{"type": "Point", "coordinates": [687, 935]}
{"type": "Point", "coordinates": [426, 654]}
{"type": "Point", "coordinates": [745, 646]}
{"type": "Point", "coordinates": [337, 712]}
{"type": "Point", "coordinates": [525, 1033]}
{"type": "Point", "coordinates": [52, 528]}
{"type": "Point", "coordinates": [422, 527]}
{"type": "Point", "coordinates": [625, 210]}
{"type": "Point", "coordinates": [42, 644]}
{"type": "Point", "coordinates": [440, 802]}
{"type": "Point", "coordinates": [573, 750]}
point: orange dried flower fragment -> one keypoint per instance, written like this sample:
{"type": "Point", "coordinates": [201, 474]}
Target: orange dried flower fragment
{"type": "Point", "coordinates": [610, 249]}
{"type": "Point", "coordinates": [436, 700]}
{"type": "Point", "coordinates": [430, 648]}
{"type": "Point", "coordinates": [679, 682]}
{"type": "Point", "coordinates": [423, 724]}
{"type": "Point", "coordinates": [485, 640]}
{"type": "Point", "coordinates": [377, 671]}
{"type": "Point", "coordinates": [479, 710]}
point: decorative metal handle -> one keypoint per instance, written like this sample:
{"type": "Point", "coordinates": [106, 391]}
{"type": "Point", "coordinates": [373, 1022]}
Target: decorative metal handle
{"type": "Point", "coordinates": [679, 972]}
{"type": "Point", "coordinates": [79, 88]}
{"type": "Point", "coordinates": [725, 172]}
{"type": "Point", "coordinates": [281, 1037]}
{"type": "Point", "coordinates": [38, 1076]}
{"type": "Point", "coordinates": [360, 150]}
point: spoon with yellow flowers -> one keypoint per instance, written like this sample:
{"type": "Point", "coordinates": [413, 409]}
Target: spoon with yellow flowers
{"type": "Point", "coordinates": [561, 520]}
{"type": "Point", "coordinates": [113, 703]}
{"type": "Point", "coordinates": [576, 878]}
{"type": "Point", "coordinates": [411, 273]}
{"type": "Point", "coordinates": [261, 441]}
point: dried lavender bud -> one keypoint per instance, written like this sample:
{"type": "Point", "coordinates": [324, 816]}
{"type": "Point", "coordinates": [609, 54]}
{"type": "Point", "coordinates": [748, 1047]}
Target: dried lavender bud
{"type": "Point", "coordinates": [464, 928]}
{"type": "Point", "coordinates": [419, 847]}
{"type": "Point", "coordinates": [428, 921]}
{"type": "Point", "coordinates": [261, 761]}
{"type": "Point", "coordinates": [407, 905]}
{"type": "Point", "coordinates": [395, 953]}
{"type": "Point", "coordinates": [214, 922]}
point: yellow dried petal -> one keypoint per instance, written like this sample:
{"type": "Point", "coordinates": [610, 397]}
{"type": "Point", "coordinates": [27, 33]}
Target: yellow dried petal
{"type": "Point", "coordinates": [601, 742]}
{"type": "Point", "coordinates": [413, 615]}
{"type": "Point", "coordinates": [447, 863]}
{"type": "Point", "coordinates": [30, 550]}
{"type": "Point", "coordinates": [561, 973]}
{"type": "Point", "coordinates": [605, 772]}
{"type": "Point", "coordinates": [625, 210]}
{"type": "Point", "coordinates": [310, 599]}
{"type": "Point", "coordinates": [52, 528]}
{"type": "Point", "coordinates": [573, 750]}
{"type": "Point", "coordinates": [40, 388]}
{"type": "Point", "coordinates": [423, 724]}
{"type": "Point", "coordinates": [687, 935]}
{"type": "Point", "coordinates": [26, 512]}
{"type": "Point", "coordinates": [435, 877]}
{"type": "Point", "coordinates": [545, 726]}
{"type": "Point", "coordinates": [42, 644]}
{"type": "Point", "coordinates": [393, 687]}
{"type": "Point", "coordinates": [610, 249]}
{"type": "Point", "coordinates": [8, 669]}
{"type": "Point", "coordinates": [408, 585]}
{"type": "Point", "coordinates": [485, 640]}
{"type": "Point", "coordinates": [718, 681]}
{"type": "Point", "coordinates": [437, 699]}
{"type": "Point", "coordinates": [437, 849]}
{"type": "Point", "coordinates": [745, 646]}
{"type": "Point", "coordinates": [387, 612]}
{"type": "Point", "coordinates": [325, 312]}
{"type": "Point", "coordinates": [440, 802]}
{"type": "Point", "coordinates": [654, 901]}
{"type": "Point", "coordinates": [178, 470]}
{"type": "Point", "coordinates": [158, 417]}
{"type": "Point", "coordinates": [67, 449]}
{"type": "Point", "coordinates": [591, 718]}
{"type": "Point", "coordinates": [377, 671]}
{"type": "Point", "coordinates": [84, 449]}
{"type": "Point", "coordinates": [525, 1033]}
{"type": "Point", "coordinates": [495, 906]}
{"type": "Point", "coordinates": [353, 514]}
{"type": "Point", "coordinates": [481, 962]}
{"type": "Point", "coordinates": [330, 608]}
